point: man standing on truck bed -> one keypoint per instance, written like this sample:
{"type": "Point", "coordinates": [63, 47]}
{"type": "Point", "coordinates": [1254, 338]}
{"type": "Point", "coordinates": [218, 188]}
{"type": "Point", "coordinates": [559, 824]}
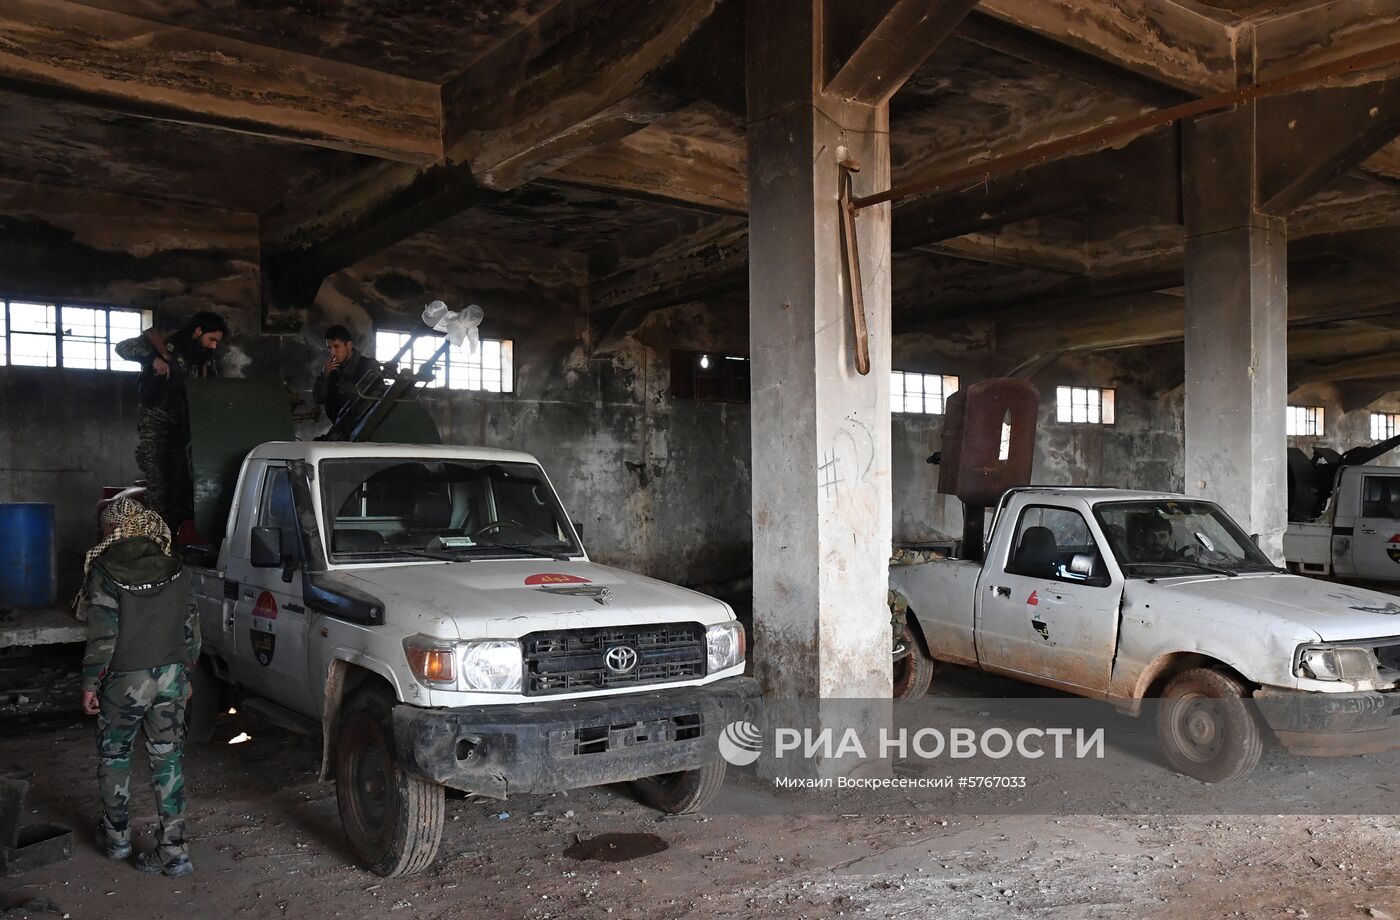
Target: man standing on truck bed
{"type": "Point", "coordinates": [163, 423]}
{"type": "Point", "coordinates": [335, 385]}
{"type": "Point", "coordinates": [143, 639]}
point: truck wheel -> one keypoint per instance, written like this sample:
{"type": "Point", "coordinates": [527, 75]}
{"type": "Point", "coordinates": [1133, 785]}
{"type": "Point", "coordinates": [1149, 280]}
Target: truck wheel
{"type": "Point", "coordinates": [205, 703]}
{"type": "Point", "coordinates": [393, 820]}
{"type": "Point", "coordinates": [913, 671]}
{"type": "Point", "coordinates": [1205, 727]}
{"type": "Point", "coordinates": [681, 793]}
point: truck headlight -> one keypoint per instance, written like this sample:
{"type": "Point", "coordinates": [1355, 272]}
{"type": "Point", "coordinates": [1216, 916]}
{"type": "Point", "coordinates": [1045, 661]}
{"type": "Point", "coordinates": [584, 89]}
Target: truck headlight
{"type": "Point", "coordinates": [724, 646]}
{"type": "Point", "coordinates": [433, 661]}
{"type": "Point", "coordinates": [494, 664]}
{"type": "Point", "coordinates": [1325, 662]}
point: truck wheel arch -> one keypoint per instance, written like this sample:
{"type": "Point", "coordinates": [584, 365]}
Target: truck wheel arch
{"type": "Point", "coordinates": [343, 678]}
{"type": "Point", "coordinates": [1164, 667]}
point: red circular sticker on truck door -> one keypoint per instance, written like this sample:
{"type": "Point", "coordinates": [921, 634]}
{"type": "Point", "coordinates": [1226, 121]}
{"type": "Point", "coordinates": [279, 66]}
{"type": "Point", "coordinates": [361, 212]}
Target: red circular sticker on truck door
{"type": "Point", "coordinates": [264, 640]}
{"type": "Point", "coordinates": [1392, 548]}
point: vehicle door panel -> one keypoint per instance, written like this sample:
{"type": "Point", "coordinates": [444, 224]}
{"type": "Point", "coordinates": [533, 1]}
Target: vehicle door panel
{"type": "Point", "coordinates": [1375, 543]}
{"type": "Point", "coordinates": [1039, 617]}
{"type": "Point", "coordinates": [270, 620]}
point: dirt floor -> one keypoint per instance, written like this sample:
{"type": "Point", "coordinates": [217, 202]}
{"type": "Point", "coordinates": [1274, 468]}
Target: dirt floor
{"type": "Point", "coordinates": [267, 843]}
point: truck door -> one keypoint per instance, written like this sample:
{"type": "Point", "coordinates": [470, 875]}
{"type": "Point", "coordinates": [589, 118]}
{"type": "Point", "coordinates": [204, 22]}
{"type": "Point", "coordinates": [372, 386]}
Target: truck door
{"type": "Point", "coordinates": [1375, 544]}
{"type": "Point", "coordinates": [270, 621]}
{"type": "Point", "coordinates": [1048, 607]}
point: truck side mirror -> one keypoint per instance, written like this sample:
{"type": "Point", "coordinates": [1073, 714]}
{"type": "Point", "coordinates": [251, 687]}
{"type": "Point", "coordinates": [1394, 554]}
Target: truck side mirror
{"type": "Point", "coordinates": [1254, 538]}
{"type": "Point", "coordinates": [578, 529]}
{"type": "Point", "coordinates": [266, 549]}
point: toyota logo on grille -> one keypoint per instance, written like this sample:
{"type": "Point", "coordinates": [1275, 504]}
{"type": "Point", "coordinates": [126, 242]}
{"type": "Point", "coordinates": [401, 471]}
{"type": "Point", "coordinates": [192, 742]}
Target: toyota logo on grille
{"type": "Point", "coordinates": [620, 659]}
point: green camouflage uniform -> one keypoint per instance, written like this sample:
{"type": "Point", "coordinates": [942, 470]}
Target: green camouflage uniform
{"type": "Point", "coordinates": [151, 697]}
{"type": "Point", "coordinates": [163, 427]}
{"type": "Point", "coordinates": [898, 603]}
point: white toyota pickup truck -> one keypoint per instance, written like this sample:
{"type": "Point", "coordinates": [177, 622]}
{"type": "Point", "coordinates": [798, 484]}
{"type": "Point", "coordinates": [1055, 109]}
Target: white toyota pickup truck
{"type": "Point", "coordinates": [1128, 596]}
{"type": "Point", "coordinates": [431, 611]}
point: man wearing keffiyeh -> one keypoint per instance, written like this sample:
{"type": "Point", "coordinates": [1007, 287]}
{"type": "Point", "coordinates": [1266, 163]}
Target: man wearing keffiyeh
{"type": "Point", "coordinates": [143, 639]}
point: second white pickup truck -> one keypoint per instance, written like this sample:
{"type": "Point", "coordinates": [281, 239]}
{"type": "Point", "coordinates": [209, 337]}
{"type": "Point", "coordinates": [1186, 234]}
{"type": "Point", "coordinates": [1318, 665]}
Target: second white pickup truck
{"type": "Point", "coordinates": [1127, 596]}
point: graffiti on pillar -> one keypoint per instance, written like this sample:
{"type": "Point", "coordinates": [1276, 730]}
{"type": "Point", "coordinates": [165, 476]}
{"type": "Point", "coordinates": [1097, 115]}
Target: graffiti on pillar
{"type": "Point", "coordinates": [829, 473]}
{"type": "Point", "coordinates": [847, 475]}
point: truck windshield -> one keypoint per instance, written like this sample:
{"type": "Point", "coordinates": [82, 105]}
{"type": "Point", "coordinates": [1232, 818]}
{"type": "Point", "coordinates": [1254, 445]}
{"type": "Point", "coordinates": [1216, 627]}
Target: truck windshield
{"type": "Point", "coordinates": [1163, 538]}
{"type": "Point", "coordinates": [382, 508]}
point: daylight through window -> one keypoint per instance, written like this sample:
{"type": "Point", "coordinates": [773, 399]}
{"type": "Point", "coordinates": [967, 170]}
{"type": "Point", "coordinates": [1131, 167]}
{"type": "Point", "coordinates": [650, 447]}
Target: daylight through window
{"type": "Point", "coordinates": [1087, 405]}
{"type": "Point", "coordinates": [490, 369]}
{"type": "Point", "coordinates": [1384, 425]}
{"type": "Point", "coordinates": [923, 393]}
{"type": "Point", "coordinates": [1304, 421]}
{"type": "Point", "coordinates": [35, 334]}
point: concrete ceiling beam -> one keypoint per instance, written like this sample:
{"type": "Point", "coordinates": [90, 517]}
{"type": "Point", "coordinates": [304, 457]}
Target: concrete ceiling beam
{"type": "Point", "coordinates": [1308, 140]}
{"type": "Point", "coordinates": [875, 47]}
{"type": "Point", "coordinates": [657, 164]}
{"type": "Point", "coordinates": [1320, 34]}
{"type": "Point", "coordinates": [572, 81]}
{"type": "Point", "coordinates": [517, 111]}
{"type": "Point", "coordinates": [145, 69]}
{"type": "Point", "coordinates": [1162, 41]}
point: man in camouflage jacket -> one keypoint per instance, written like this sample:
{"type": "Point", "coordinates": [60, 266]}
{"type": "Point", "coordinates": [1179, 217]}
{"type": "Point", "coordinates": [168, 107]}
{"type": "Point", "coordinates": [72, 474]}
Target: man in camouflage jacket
{"type": "Point", "coordinates": [143, 639]}
{"type": "Point", "coordinates": [163, 421]}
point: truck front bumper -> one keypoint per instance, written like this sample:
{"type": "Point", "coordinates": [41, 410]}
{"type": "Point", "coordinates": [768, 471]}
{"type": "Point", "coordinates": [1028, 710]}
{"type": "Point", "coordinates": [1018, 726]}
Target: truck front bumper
{"type": "Point", "coordinates": [1332, 724]}
{"type": "Point", "coordinates": [552, 745]}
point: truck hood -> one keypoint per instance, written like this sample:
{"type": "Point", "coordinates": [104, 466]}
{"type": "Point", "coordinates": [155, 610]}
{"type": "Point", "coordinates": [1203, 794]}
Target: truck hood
{"type": "Point", "coordinates": [508, 598]}
{"type": "Point", "coordinates": [1335, 612]}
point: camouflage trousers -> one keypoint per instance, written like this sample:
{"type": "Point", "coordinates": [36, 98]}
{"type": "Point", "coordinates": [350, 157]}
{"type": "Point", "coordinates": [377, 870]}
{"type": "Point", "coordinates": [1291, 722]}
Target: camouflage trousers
{"type": "Point", "coordinates": [162, 453]}
{"type": "Point", "coordinates": [130, 701]}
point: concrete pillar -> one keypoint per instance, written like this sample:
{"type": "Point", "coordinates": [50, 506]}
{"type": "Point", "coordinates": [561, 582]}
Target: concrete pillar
{"type": "Point", "coordinates": [821, 431]}
{"type": "Point", "coordinates": [1236, 329]}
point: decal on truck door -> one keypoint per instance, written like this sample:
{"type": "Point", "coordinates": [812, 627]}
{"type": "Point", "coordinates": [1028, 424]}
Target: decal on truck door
{"type": "Point", "coordinates": [1392, 548]}
{"type": "Point", "coordinates": [262, 633]}
{"type": "Point", "coordinates": [1039, 625]}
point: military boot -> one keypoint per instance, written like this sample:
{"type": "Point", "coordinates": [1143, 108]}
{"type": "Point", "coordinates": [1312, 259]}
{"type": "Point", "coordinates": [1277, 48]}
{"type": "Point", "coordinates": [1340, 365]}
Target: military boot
{"type": "Point", "coordinates": [151, 861]}
{"type": "Point", "coordinates": [113, 842]}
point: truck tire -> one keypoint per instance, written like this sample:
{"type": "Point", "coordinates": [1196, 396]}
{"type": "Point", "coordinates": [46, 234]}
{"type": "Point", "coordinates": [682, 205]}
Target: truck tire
{"type": "Point", "coordinates": [393, 820]}
{"type": "Point", "coordinates": [205, 704]}
{"type": "Point", "coordinates": [681, 793]}
{"type": "Point", "coordinates": [914, 671]}
{"type": "Point", "coordinates": [1205, 727]}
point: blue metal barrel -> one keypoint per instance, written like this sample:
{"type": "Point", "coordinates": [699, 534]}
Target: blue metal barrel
{"type": "Point", "coordinates": [28, 559]}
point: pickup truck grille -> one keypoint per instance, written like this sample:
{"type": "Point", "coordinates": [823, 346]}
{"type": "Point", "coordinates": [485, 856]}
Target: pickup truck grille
{"type": "Point", "coordinates": [574, 660]}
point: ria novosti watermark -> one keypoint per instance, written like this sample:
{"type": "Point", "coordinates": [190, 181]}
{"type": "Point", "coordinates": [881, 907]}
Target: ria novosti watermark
{"type": "Point", "coordinates": [742, 743]}
{"type": "Point", "coordinates": [1005, 755]}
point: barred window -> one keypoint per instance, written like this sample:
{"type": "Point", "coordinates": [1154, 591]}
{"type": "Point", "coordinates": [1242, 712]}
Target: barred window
{"type": "Point", "coordinates": [491, 369]}
{"type": "Point", "coordinates": [1384, 425]}
{"type": "Point", "coordinates": [36, 334]}
{"type": "Point", "coordinates": [1084, 405]}
{"type": "Point", "coordinates": [1304, 421]}
{"type": "Point", "coordinates": [926, 394]}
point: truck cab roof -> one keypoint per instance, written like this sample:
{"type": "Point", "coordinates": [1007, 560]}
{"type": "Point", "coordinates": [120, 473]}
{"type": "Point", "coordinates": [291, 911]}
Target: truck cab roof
{"type": "Point", "coordinates": [315, 451]}
{"type": "Point", "coordinates": [1095, 494]}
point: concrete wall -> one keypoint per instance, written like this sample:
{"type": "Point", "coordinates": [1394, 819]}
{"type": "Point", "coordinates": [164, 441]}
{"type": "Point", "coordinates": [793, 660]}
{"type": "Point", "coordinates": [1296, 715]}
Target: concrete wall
{"type": "Point", "coordinates": [1345, 424]}
{"type": "Point", "coordinates": [1142, 449]}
